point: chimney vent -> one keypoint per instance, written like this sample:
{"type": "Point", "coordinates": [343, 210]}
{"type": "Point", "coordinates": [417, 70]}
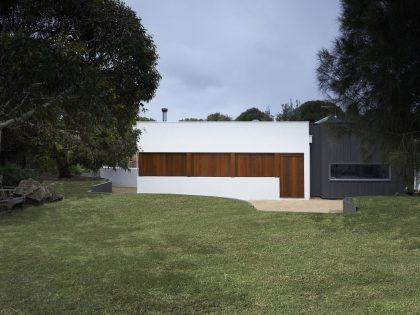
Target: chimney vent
{"type": "Point", "coordinates": [164, 114]}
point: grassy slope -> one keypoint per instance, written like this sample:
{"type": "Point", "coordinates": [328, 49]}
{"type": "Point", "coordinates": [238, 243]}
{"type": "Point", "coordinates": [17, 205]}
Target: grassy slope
{"type": "Point", "coordinates": [180, 254]}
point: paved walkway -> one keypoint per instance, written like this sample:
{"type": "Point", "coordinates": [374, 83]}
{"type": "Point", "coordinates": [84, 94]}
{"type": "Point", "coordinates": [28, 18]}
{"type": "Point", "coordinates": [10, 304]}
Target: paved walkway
{"type": "Point", "coordinates": [124, 190]}
{"type": "Point", "coordinates": [310, 206]}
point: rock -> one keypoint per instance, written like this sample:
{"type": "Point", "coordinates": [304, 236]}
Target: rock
{"type": "Point", "coordinates": [37, 193]}
{"type": "Point", "coordinates": [39, 196]}
{"type": "Point", "coordinates": [27, 186]}
{"type": "Point", "coordinates": [55, 196]}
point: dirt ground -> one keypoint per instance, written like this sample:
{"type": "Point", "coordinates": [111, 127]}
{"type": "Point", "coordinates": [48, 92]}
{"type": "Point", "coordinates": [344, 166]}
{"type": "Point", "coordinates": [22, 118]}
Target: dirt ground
{"type": "Point", "coordinates": [124, 190]}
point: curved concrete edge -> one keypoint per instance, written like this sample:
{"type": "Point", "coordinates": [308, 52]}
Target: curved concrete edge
{"type": "Point", "coordinates": [301, 206]}
{"type": "Point", "coordinates": [105, 187]}
{"type": "Point", "coordinates": [349, 206]}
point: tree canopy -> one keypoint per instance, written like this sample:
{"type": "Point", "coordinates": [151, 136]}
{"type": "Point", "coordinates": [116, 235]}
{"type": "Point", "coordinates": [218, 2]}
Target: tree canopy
{"type": "Point", "coordinates": [255, 114]}
{"type": "Point", "coordinates": [142, 118]}
{"type": "Point", "coordinates": [73, 75]}
{"type": "Point", "coordinates": [311, 111]}
{"type": "Point", "coordinates": [218, 117]}
{"type": "Point", "coordinates": [372, 71]}
{"type": "Point", "coordinates": [191, 119]}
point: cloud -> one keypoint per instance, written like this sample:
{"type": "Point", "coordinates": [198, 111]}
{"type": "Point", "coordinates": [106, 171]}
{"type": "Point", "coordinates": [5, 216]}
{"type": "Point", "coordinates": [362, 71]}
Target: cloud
{"type": "Point", "coordinates": [229, 55]}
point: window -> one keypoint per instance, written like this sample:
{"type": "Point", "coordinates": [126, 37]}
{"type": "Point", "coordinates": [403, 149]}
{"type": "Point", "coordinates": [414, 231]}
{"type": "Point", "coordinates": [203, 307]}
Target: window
{"type": "Point", "coordinates": [368, 172]}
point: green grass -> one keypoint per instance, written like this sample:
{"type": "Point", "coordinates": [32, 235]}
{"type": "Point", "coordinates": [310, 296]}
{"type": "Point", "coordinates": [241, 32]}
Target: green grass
{"type": "Point", "coordinates": [126, 254]}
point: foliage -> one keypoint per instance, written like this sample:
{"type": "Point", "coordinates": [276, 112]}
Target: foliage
{"type": "Point", "coordinates": [168, 254]}
{"type": "Point", "coordinates": [311, 111]}
{"type": "Point", "coordinates": [145, 119]}
{"type": "Point", "coordinates": [288, 112]}
{"type": "Point", "coordinates": [192, 119]}
{"type": "Point", "coordinates": [74, 74]}
{"type": "Point", "coordinates": [13, 174]}
{"type": "Point", "coordinates": [218, 117]}
{"type": "Point", "coordinates": [372, 71]}
{"type": "Point", "coordinates": [255, 114]}
{"type": "Point", "coordinates": [76, 169]}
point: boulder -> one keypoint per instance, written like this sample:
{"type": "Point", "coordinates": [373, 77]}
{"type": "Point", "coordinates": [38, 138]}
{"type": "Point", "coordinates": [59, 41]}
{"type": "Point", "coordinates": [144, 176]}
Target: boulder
{"type": "Point", "coordinates": [38, 196]}
{"type": "Point", "coordinates": [54, 196]}
{"type": "Point", "coordinates": [37, 193]}
{"type": "Point", "coordinates": [27, 186]}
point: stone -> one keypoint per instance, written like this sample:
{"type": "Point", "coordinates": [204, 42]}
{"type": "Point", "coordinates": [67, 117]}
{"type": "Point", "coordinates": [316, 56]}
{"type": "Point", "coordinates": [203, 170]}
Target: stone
{"type": "Point", "coordinates": [54, 196]}
{"type": "Point", "coordinates": [38, 196]}
{"type": "Point", "coordinates": [27, 186]}
{"type": "Point", "coordinates": [37, 193]}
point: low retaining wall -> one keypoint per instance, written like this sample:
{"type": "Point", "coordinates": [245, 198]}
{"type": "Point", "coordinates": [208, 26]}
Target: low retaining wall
{"type": "Point", "coordinates": [120, 177]}
{"type": "Point", "coordinates": [105, 187]}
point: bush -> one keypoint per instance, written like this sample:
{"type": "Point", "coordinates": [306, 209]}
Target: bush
{"type": "Point", "coordinates": [76, 169]}
{"type": "Point", "coordinates": [13, 174]}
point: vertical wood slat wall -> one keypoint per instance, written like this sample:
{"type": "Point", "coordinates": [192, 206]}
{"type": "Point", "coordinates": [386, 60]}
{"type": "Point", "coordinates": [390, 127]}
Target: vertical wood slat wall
{"type": "Point", "coordinates": [291, 175]}
{"type": "Point", "coordinates": [287, 166]}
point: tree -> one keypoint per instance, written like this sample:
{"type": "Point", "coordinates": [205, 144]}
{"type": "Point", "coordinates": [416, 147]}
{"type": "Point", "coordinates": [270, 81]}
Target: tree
{"type": "Point", "coordinates": [146, 119]}
{"type": "Point", "coordinates": [288, 112]}
{"type": "Point", "coordinates": [373, 69]}
{"type": "Point", "coordinates": [255, 114]}
{"type": "Point", "coordinates": [73, 74]}
{"type": "Point", "coordinates": [218, 117]}
{"type": "Point", "coordinates": [311, 111]}
{"type": "Point", "coordinates": [191, 119]}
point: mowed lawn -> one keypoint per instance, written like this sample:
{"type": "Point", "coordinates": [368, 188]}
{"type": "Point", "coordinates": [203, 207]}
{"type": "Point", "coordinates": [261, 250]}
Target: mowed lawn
{"type": "Point", "coordinates": [128, 254]}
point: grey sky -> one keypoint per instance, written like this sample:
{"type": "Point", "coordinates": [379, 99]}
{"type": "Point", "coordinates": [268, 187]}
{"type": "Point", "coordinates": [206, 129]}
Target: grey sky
{"type": "Point", "coordinates": [229, 55]}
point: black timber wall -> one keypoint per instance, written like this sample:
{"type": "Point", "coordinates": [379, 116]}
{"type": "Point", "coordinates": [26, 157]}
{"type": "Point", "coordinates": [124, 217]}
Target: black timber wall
{"type": "Point", "coordinates": [328, 146]}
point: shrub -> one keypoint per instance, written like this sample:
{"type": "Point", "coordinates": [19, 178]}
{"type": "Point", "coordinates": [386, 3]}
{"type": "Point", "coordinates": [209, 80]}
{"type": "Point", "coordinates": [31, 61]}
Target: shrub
{"type": "Point", "coordinates": [13, 174]}
{"type": "Point", "coordinates": [76, 169]}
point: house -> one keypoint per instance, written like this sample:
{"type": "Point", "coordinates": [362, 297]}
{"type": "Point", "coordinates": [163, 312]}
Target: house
{"type": "Point", "coordinates": [259, 160]}
{"type": "Point", "coordinates": [339, 169]}
{"type": "Point", "coordinates": [244, 160]}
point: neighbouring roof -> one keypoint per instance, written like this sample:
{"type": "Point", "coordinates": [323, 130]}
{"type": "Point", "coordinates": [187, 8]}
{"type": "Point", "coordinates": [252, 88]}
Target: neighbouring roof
{"type": "Point", "coordinates": [332, 119]}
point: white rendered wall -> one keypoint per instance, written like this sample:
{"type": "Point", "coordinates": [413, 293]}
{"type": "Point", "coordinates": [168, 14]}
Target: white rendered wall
{"type": "Point", "coordinates": [219, 137]}
{"type": "Point", "coordinates": [247, 188]}
{"type": "Point", "coordinates": [246, 137]}
{"type": "Point", "coordinates": [120, 177]}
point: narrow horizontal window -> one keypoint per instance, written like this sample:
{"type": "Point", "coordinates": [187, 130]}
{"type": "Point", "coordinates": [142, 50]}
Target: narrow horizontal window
{"type": "Point", "coordinates": [368, 172]}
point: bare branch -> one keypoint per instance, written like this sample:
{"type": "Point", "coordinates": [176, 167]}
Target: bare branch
{"type": "Point", "coordinates": [28, 114]}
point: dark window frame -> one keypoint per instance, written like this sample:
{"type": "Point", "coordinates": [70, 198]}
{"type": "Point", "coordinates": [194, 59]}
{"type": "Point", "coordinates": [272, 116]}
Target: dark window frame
{"type": "Point", "coordinates": [333, 179]}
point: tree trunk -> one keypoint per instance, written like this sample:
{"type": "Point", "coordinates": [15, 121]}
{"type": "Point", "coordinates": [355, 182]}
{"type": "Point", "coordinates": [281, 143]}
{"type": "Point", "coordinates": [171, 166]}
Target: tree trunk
{"type": "Point", "coordinates": [62, 162]}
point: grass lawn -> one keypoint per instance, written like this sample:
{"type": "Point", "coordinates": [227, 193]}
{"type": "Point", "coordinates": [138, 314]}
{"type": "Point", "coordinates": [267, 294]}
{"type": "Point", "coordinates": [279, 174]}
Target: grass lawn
{"type": "Point", "coordinates": [125, 254]}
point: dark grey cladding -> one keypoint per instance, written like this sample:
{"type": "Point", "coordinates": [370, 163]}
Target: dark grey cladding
{"type": "Point", "coordinates": [330, 146]}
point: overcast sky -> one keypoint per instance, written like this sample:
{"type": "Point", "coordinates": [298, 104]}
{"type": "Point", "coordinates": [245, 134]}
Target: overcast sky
{"type": "Point", "coordinates": [229, 55]}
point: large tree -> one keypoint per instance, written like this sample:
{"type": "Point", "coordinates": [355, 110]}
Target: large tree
{"type": "Point", "coordinates": [73, 76]}
{"type": "Point", "coordinates": [254, 113]}
{"type": "Point", "coordinates": [311, 111]}
{"type": "Point", "coordinates": [218, 117]}
{"type": "Point", "coordinates": [373, 70]}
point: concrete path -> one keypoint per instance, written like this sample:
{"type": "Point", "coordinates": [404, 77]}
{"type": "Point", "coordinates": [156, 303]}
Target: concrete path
{"type": "Point", "coordinates": [124, 190]}
{"type": "Point", "coordinates": [310, 206]}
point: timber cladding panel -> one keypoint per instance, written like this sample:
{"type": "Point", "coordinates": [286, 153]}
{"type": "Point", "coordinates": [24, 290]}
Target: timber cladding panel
{"type": "Point", "coordinates": [205, 164]}
{"type": "Point", "coordinates": [289, 167]}
{"type": "Point", "coordinates": [162, 164]}
{"type": "Point", "coordinates": [255, 165]}
{"type": "Point", "coordinates": [291, 175]}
